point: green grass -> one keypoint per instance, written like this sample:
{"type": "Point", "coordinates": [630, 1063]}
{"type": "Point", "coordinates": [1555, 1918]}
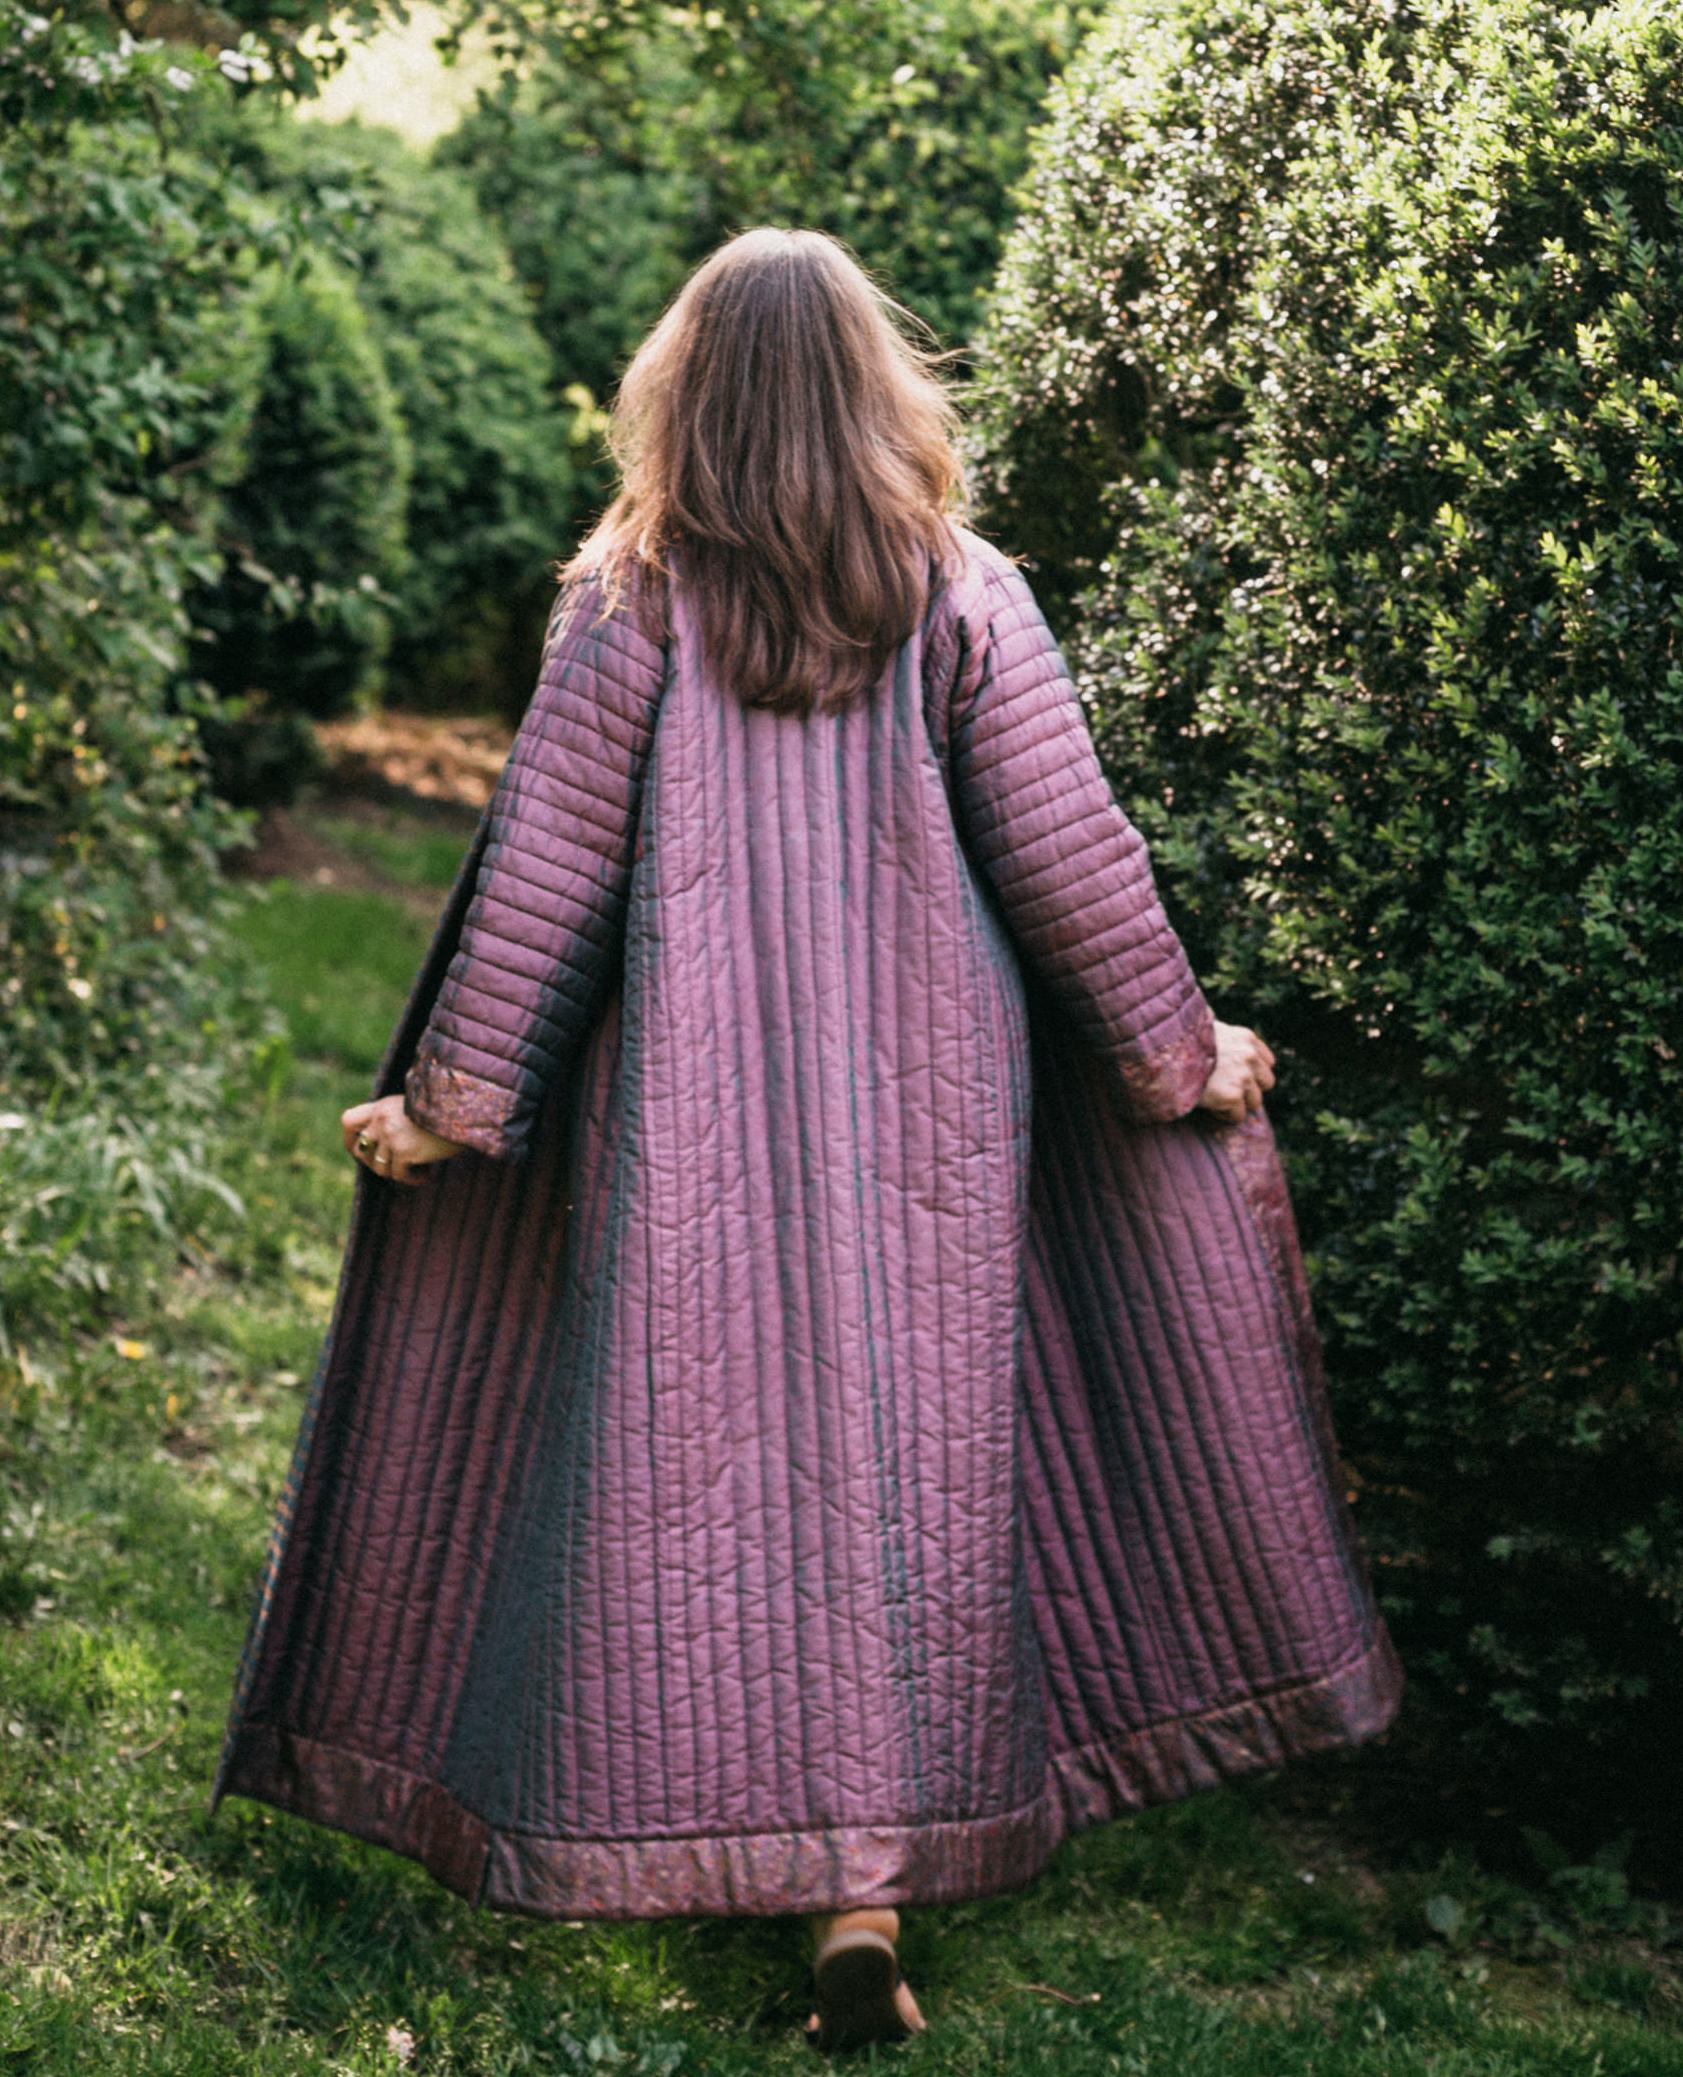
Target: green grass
{"type": "Point", "coordinates": [340, 965]}
{"type": "Point", "coordinates": [1215, 1938]}
{"type": "Point", "coordinates": [417, 856]}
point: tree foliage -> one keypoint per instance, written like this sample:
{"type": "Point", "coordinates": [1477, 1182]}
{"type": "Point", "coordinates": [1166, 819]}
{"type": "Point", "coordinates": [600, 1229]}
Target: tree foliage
{"type": "Point", "coordinates": [1332, 378]}
{"type": "Point", "coordinates": [314, 519]}
{"type": "Point", "coordinates": [125, 1019]}
{"type": "Point", "coordinates": [627, 142]}
{"type": "Point", "coordinates": [495, 452]}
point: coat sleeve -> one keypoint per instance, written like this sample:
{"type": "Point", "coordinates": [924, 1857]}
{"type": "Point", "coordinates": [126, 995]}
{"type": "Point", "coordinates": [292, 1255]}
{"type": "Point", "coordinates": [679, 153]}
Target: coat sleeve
{"type": "Point", "coordinates": [1072, 872]}
{"type": "Point", "coordinates": [542, 927]}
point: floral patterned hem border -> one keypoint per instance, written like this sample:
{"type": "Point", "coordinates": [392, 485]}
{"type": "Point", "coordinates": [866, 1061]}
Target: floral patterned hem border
{"type": "Point", "coordinates": [459, 1106]}
{"type": "Point", "coordinates": [1167, 1083]}
{"type": "Point", "coordinates": [751, 1874]}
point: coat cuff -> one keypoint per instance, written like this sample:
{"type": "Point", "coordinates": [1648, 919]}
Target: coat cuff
{"type": "Point", "coordinates": [462, 1107]}
{"type": "Point", "coordinates": [1167, 1082]}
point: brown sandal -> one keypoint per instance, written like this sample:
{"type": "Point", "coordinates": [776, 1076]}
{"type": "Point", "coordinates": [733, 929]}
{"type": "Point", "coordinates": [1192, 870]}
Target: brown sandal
{"type": "Point", "coordinates": [855, 1976]}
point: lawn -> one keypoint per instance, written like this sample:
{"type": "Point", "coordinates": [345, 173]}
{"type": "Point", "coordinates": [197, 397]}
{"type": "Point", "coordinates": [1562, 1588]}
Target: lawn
{"type": "Point", "coordinates": [1229, 1936]}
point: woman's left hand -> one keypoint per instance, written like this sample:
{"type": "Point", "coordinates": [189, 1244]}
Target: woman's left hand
{"type": "Point", "coordinates": [382, 1136]}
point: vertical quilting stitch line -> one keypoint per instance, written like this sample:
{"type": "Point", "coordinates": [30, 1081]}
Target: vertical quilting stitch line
{"type": "Point", "coordinates": [323, 1655]}
{"type": "Point", "coordinates": [593, 1459]}
{"type": "Point", "coordinates": [1088, 1272]}
{"type": "Point", "coordinates": [579, 1414]}
{"type": "Point", "coordinates": [1297, 1587]}
{"type": "Point", "coordinates": [1209, 1528]}
{"type": "Point", "coordinates": [906, 744]}
{"type": "Point", "coordinates": [1050, 1603]}
{"type": "Point", "coordinates": [908, 716]}
{"type": "Point", "coordinates": [694, 983]}
{"type": "Point", "coordinates": [717, 738]}
{"type": "Point", "coordinates": [886, 1504]}
{"type": "Point", "coordinates": [421, 1211]}
{"type": "Point", "coordinates": [705, 713]}
{"type": "Point", "coordinates": [963, 1704]}
{"type": "Point", "coordinates": [499, 1346]}
{"type": "Point", "coordinates": [582, 1394]}
{"type": "Point", "coordinates": [1095, 1507]}
{"type": "Point", "coordinates": [1003, 782]}
{"type": "Point", "coordinates": [732, 734]}
{"type": "Point", "coordinates": [416, 1220]}
{"type": "Point", "coordinates": [1310, 1396]}
{"type": "Point", "coordinates": [896, 714]}
{"type": "Point", "coordinates": [774, 1008]}
{"type": "Point", "coordinates": [814, 1192]}
{"type": "Point", "coordinates": [494, 1529]}
{"type": "Point", "coordinates": [1194, 1573]}
{"type": "Point", "coordinates": [770, 1359]}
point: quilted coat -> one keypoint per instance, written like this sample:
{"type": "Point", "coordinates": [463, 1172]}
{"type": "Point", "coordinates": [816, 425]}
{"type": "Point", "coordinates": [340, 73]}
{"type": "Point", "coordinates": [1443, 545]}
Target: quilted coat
{"type": "Point", "coordinates": [847, 1422]}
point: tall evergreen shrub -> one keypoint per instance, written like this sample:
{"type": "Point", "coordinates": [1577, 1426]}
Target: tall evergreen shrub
{"type": "Point", "coordinates": [313, 527]}
{"type": "Point", "coordinates": [495, 453]}
{"type": "Point", "coordinates": [126, 1023]}
{"type": "Point", "coordinates": [1333, 381]}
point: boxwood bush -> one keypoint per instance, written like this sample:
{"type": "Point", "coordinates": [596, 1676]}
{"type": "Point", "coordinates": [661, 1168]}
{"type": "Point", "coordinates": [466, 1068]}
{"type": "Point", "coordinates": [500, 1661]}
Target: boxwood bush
{"type": "Point", "coordinates": [495, 453]}
{"type": "Point", "coordinates": [313, 527]}
{"type": "Point", "coordinates": [129, 1029]}
{"type": "Point", "coordinates": [1332, 380]}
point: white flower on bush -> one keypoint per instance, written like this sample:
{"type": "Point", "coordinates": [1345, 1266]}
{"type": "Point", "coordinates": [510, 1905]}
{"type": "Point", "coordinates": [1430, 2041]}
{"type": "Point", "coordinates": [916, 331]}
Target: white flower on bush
{"type": "Point", "coordinates": [178, 77]}
{"type": "Point", "coordinates": [31, 26]}
{"type": "Point", "coordinates": [243, 65]}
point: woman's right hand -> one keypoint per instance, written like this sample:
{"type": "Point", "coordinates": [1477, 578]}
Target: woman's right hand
{"type": "Point", "coordinates": [1244, 1069]}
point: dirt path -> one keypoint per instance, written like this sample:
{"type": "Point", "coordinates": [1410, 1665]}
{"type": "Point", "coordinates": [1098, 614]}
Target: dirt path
{"type": "Point", "coordinates": [406, 776]}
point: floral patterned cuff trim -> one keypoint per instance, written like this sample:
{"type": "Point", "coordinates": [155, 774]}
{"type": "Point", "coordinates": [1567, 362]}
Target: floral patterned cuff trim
{"type": "Point", "coordinates": [461, 1107]}
{"type": "Point", "coordinates": [1167, 1083]}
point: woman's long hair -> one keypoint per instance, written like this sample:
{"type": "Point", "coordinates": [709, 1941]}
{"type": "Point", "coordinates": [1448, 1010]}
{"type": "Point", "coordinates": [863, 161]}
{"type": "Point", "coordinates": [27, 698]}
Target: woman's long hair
{"type": "Point", "coordinates": [785, 435]}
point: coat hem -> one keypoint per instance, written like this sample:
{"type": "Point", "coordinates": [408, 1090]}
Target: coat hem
{"type": "Point", "coordinates": [754, 1873]}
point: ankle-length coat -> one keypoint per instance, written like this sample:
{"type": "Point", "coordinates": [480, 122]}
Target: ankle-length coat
{"type": "Point", "coordinates": [848, 1421]}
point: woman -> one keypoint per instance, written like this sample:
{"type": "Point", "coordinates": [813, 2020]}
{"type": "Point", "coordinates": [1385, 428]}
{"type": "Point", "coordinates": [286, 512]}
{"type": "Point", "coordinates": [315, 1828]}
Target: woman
{"type": "Point", "coordinates": [821, 1401]}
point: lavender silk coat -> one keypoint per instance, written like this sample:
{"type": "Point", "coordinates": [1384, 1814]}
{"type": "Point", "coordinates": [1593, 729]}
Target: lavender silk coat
{"type": "Point", "coordinates": [848, 1422]}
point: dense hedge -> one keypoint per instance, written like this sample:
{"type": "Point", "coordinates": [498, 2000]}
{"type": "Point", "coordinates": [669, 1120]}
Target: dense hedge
{"type": "Point", "coordinates": [636, 142]}
{"type": "Point", "coordinates": [1333, 379]}
{"type": "Point", "coordinates": [313, 525]}
{"type": "Point", "coordinates": [493, 448]}
{"type": "Point", "coordinates": [127, 1023]}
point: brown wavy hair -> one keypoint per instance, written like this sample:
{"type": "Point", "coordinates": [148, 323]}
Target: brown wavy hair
{"type": "Point", "coordinates": [787, 450]}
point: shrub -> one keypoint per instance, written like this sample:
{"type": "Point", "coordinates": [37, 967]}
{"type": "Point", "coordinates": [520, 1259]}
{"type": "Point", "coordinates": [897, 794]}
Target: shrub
{"type": "Point", "coordinates": [898, 127]}
{"type": "Point", "coordinates": [601, 230]}
{"type": "Point", "coordinates": [313, 525]}
{"type": "Point", "coordinates": [1331, 377]}
{"type": "Point", "coordinates": [119, 265]}
{"type": "Point", "coordinates": [493, 475]}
